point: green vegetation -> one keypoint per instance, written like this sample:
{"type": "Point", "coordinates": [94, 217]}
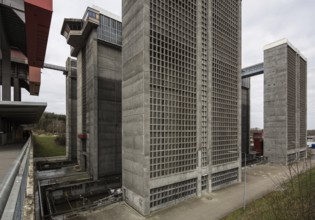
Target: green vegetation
{"type": "Point", "coordinates": [51, 123]}
{"type": "Point", "coordinates": [47, 146]}
{"type": "Point", "coordinates": [294, 199]}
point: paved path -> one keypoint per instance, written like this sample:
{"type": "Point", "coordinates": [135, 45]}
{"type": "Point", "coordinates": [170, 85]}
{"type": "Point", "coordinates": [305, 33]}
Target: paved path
{"type": "Point", "coordinates": [8, 154]}
{"type": "Point", "coordinates": [261, 179]}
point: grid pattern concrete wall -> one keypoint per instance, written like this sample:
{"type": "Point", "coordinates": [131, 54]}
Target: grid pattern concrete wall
{"type": "Point", "coordinates": [166, 195]}
{"type": "Point", "coordinates": [225, 82]}
{"type": "Point", "coordinates": [172, 88]}
{"type": "Point", "coordinates": [226, 178]}
{"type": "Point", "coordinates": [284, 103]}
{"type": "Point", "coordinates": [168, 69]}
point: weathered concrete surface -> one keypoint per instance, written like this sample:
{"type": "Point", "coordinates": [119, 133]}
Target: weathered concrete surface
{"type": "Point", "coordinates": [29, 201]}
{"type": "Point", "coordinates": [8, 154]}
{"type": "Point", "coordinates": [71, 109]}
{"type": "Point", "coordinates": [261, 179]}
{"type": "Point", "coordinates": [284, 103]}
{"type": "Point", "coordinates": [162, 91]}
{"type": "Point", "coordinates": [135, 104]}
{"type": "Point", "coordinates": [99, 107]}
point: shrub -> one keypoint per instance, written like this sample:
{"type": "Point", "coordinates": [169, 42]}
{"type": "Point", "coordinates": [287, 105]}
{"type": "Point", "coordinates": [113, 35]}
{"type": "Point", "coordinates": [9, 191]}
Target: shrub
{"type": "Point", "coordinates": [61, 140]}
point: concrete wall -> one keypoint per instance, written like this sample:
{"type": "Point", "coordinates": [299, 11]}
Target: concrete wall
{"type": "Point", "coordinates": [109, 109]}
{"type": "Point", "coordinates": [80, 115]}
{"type": "Point", "coordinates": [275, 104]}
{"type": "Point", "coordinates": [135, 104]}
{"type": "Point", "coordinates": [285, 103]}
{"type": "Point", "coordinates": [99, 107]}
{"type": "Point", "coordinates": [71, 109]}
{"type": "Point", "coordinates": [92, 104]}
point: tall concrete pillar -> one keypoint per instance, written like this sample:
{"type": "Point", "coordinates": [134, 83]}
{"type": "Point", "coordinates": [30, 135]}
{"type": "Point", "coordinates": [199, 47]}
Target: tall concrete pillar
{"type": "Point", "coordinates": [17, 90]}
{"type": "Point", "coordinates": [5, 65]}
{"type": "Point", "coordinates": [6, 75]}
{"type": "Point", "coordinates": [71, 109]}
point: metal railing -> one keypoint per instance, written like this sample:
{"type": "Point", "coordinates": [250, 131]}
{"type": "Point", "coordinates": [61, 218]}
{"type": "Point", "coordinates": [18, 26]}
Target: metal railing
{"type": "Point", "coordinates": [13, 187]}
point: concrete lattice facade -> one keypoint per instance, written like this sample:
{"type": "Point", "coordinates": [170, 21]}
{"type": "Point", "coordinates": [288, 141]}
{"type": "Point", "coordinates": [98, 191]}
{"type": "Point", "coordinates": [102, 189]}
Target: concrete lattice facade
{"type": "Point", "coordinates": [98, 52]}
{"type": "Point", "coordinates": [181, 100]}
{"type": "Point", "coordinates": [284, 103]}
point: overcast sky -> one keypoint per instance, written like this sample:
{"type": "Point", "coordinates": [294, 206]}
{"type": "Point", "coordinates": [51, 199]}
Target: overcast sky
{"type": "Point", "coordinates": [263, 22]}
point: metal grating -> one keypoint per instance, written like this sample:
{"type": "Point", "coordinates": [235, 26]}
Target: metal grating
{"type": "Point", "coordinates": [224, 178]}
{"type": "Point", "coordinates": [162, 195]}
{"type": "Point", "coordinates": [172, 87]}
{"type": "Point", "coordinates": [291, 99]}
{"type": "Point", "coordinates": [225, 79]}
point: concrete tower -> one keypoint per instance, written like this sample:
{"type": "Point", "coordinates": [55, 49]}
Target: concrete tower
{"type": "Point", "coordinates": [96, 42]}
{"type": "Point", "coordinates": [181, 99]}
{"type": "Point", "coordinates": [284, 103]}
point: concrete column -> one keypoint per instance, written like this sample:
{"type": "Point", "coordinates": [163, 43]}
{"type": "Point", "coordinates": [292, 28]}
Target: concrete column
{"type": "Point", "coordinates": [80, 156]}
{"type": "Point", "coordinates": [5, 65]}
{"type": "Point", "coordinates": [17, 90]}
{"type": "Point", "coordinates": [6, 75]}
{"type": "Point", "coordinates": [71, 109]}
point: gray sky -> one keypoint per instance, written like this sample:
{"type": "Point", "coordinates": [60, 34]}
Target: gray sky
{"type": "Point", "coordinates": [263, 22]}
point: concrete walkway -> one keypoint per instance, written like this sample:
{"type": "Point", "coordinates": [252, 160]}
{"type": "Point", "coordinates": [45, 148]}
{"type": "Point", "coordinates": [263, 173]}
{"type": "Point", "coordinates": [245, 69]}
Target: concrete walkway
{"type": "Point", "coordinates": [8, 154]}
{"type": "Point", "coordinates": [261, 179]}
